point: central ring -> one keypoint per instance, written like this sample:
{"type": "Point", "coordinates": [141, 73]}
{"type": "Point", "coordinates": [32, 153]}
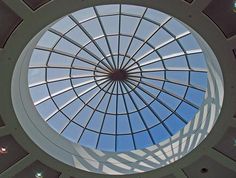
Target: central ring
{"type": "Point", "coordinates": [121, 75]}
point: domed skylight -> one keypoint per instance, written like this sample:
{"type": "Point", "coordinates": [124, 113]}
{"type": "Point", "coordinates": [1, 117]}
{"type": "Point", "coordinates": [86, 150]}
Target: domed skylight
{"type": "Point", "coordinates": [117, 77]}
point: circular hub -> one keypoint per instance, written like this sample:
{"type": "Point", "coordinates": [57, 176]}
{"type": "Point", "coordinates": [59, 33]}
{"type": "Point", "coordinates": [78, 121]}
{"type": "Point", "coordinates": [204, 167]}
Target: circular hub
{"type": "Point", "coordinates": [118, 75]}
{"type": "Point", "coordinates": [119, 70]}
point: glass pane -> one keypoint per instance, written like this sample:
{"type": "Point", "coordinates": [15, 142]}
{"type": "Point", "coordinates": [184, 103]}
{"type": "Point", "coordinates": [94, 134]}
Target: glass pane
{"type": "Point", "coordinates": [156, 16]}
{"type": "Point", "coordinates": [109, 124]}
{"type": "Point", "coordinates": [108, 9]}
{"type": "Point", "coordinates": [39, 93]}
{"type": "Point", "coordinates": [134, 10]}
{"type": "Point", "coordinates": [106, 143]}
{"type": "Point", "coordinates": [48, 40]}
{"type": "Point", "coordinates": [39, 58]}
{"type": "Point", "coordinates": [175, 27]}
{"type": "Point", "coordinates": [124, 143]}
{"type": "Point", "coordinates": [64, 25]}
{"type": "Point", "coordinates": [129, 24]}
{"type": "Point", "coordinates": [94, 32]}
{"type": "Point", "coordinates": [111, 24]}
{"type": "Point", "coordinates": [195, 96]}
{"type": "Point", "coordinates": [186, 111]}
{"type": "Point", "coordinates": [142, 140]}
{"type": "Point", "coordinates": [119, 77]}
{"type": "Point", "coordinates": [199, 79]}
{"type": "Point", "coordinates": [58, 60]}
{"type": "Point", "coordinates": [67, 46]}
{"type": "Point", "coordinates": [146, 29]}
{"type": "Point", "coordinates": [46, 109]}
{"type": "Point", "coordinates": [123, 126]}
{"type": "Point", "coordinates": [58, 122]}
{"type": "Point", "coordinates": [159, 133]}
{"type": "Point", "coordinates": [78, 35]}
{"type": "Point", "coordinates": [197, 61]}
{"type": "Point", "coordinates": [174, 124]}
{"type": "Point", "coordinates": [72, 132]}
{"type": "Point", "coordinates": [84, 14]}
{"type": "Point", "coordinates": [36, 76]}
{"type": "Point", "coordinates": [89, 139]}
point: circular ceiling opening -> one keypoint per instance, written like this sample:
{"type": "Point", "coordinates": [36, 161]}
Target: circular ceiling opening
{"type": "Point", "coordinates": [117, 89]}
{"type": "Point", "coordinates": [117, 77]}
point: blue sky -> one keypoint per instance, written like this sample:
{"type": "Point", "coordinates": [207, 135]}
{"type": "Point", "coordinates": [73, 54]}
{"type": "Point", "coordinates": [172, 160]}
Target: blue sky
{"type": "Point", "coordinates": [71, 89]}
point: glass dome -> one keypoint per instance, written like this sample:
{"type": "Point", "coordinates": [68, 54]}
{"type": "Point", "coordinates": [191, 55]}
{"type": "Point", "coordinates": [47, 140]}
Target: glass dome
{"type": "Point", "coordinates": [117, 77]}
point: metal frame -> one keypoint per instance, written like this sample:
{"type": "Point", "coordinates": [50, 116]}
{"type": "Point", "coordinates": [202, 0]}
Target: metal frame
{"type": "Point", "coordinates": [136, 76]}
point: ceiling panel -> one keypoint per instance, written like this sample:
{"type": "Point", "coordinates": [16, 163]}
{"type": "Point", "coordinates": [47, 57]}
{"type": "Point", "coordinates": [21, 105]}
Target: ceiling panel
{"type": "Point", "coordinates": [9, 20]}
{"type": "Point", "coordinates": [222, 13]}
{"type": "Point", "coordinates": [35, 4]}
{"type": "Point", "coordinates": [13, 154]}
{"type": "Point", "coordinates": [205, 167]}
{"type": "Point", "coordinates": [37, 168]}
{"type": "Point", "coordinates": [227, 144]}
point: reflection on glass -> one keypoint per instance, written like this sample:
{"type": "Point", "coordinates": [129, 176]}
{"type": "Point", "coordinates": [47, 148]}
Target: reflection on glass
{"type": "Point", "coordinates": [117, 77]}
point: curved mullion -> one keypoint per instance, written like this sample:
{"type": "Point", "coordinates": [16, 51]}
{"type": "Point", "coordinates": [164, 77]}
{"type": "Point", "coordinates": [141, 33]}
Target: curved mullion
{"type": "Point", "coordinates": [73, 56]}
{"type": "Point", "coordinates": [169, 108]}
{"type": "Point", "coordinates": [117, 104]}
{"type": "Point", "coordinates": [51, 81]}
{"type": "Point", "coordinates": [65, 79]}
{"type": "Point", "coordinates": [105, 36]}
{"type": "Point", "coordinates": [46, 79]}
{"type": "Point", "coordinates": [59, 109]}
{"type": "Point", "coordinates": [151, 109]}
{"type": "Point", "coordinates": [88, 69]}
{"type": "Point", "coordinates": [118, 59]}
{"type": "Point", "coordinates": [105, 112]}
{"type": "Point", "coordinates": [170, 93]}
{"type": "Point", "coordinates": [93, 41]}
{"type": "Point", "coordinates": [96, 80]}
{"type": "Point", "coordinates": [88, 90]}
{"type": "Point", "coordinates": [132, 38]}
{"type": "Point", "coordinates": [100, 90]}
{"type": "Point", "coordinates": [171, 81]}
{"type": "Point", "coordinates": [128, 115]}
{"type": "Point", "coordinates": [88, 76]}
{"type": "Point", "coordinates": [87, 83]}
{"type": "Point", "coordinates": [85, 104]}
{"type": "Point", "coordinates": [95, 111]}
{"type": "Point", "coordinates": [145, 64]}
{"type": "Point", "coordinates": [104, 115]}
{"type": "Point", "coordinates": [52, 96]}
{"type": "Point", "coordinates": [185, 52]}
{"type": "Point", "coordinates": [65, 90]}
{"type": "Point", "coordinates": [65, 67]}
{"type": "Point", "coordinates": [174, 38]}
{"type": "Point", "coordinates": [148, 39]}
{"type": "Point", "coordinates": [78, 45]}
{"type": "Point", "coordinates": [139, 113]}
{"type": "Point", "coordinates": [159, 70]}
{"type": "Point", "coordinates": [91, 63]}
{"type": "Point", "coordinates": [155, 49]}
{"type": "Point", "coordinates": [151, 62]}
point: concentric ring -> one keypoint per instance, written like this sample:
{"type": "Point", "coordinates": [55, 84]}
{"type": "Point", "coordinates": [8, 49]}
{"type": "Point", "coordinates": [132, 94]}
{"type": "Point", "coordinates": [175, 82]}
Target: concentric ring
{"type": "Point", "coordinates": [117, 80]}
